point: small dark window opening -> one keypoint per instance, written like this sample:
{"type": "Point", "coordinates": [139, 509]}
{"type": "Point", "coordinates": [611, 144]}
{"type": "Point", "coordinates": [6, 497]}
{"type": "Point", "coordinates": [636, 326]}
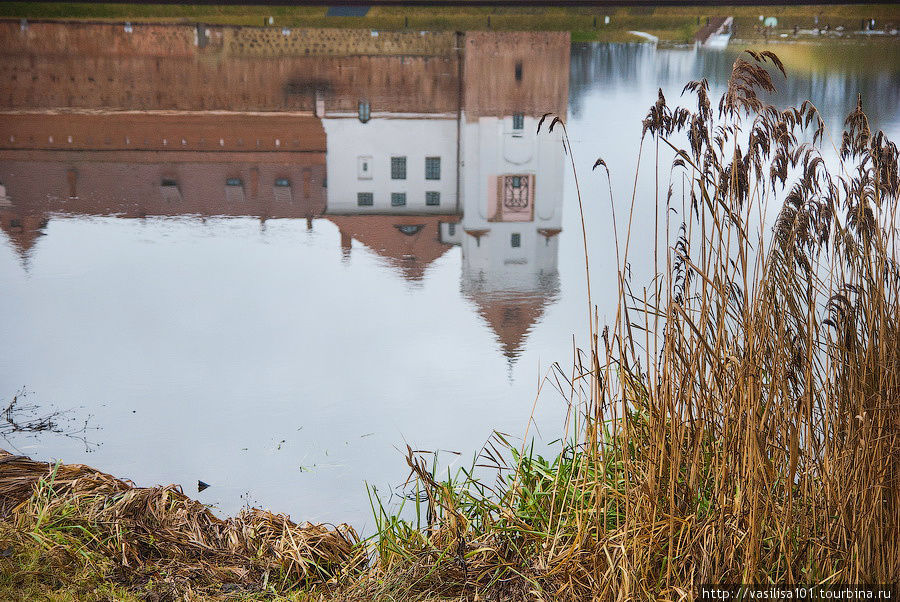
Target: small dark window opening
{"type": "Point", "coordinates": [519, 71]}
{"type": "Point", "coordinates": [365, 199]}
{"type": "Point", "coordinates": [518, 121]}
{"type": "Point", "coordinates": [410, 230]}
{"type": "Point", "coordinates": [283, 182]}
{"type": "Point", "coordinates": [231, 182]}
{"type": "Point", "coordinates": [517, 182]}
{"type": "Point", "coordinates": [515, 240]}
{"type": "Point", "coordinates": [167, 182]}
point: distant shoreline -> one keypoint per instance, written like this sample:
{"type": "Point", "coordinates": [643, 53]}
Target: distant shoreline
{"type": "Point", "coordinates": [671, 23]}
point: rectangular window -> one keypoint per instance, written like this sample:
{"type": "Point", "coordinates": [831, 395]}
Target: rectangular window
{"type": "Point", "coordinates": [517, 181]}
{"type": "Point", "coordinates": [518, 121]}
{"type": "Point", "coordinates": [432, 199]}
{"type": "Point", "coordinates": [515, 240]}
{"type": "Point", "coordinates": [398, 199]}
{"type": "Point", "coordinates": [398, 168]}
{"type": "Point", "coordinates": [365, 199]}
{"type": "Point", "coordinates": [432, 168]}
{"type": "Point", "coordinates": [451, 229]}
{"type": "Point", "coordinates": [519, 71]}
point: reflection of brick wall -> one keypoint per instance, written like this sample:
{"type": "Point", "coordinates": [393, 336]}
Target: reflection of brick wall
{"type": "Point", "coordinates": [116, 163]}
{"type": "Point", "coordinates": [403, 84]}
{"type": "Point", "coordinates": [270, 42]}
{"type": "Point", "coordinates": [91, 39]}
{"type": "Point", "coordinates": [111, 39]}
{"type": "Point", "coordinates": [137, 131]}
{"type": "Point", "coordinates": [85, 184]}
{"type": "Point", "coordinates": [493, 60]}
{"type": "Point", "coordinates": [49, 66]}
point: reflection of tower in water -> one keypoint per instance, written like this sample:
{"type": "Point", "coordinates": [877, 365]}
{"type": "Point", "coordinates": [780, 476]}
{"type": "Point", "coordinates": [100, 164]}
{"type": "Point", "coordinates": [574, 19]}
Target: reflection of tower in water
{"type": "Point", "coordinates": [513, 179]}
{"type": "Point", "coordinates": [398, 182]}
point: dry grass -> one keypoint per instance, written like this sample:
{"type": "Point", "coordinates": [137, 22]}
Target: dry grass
{"type": "Point", "coordinates": [136, 535]}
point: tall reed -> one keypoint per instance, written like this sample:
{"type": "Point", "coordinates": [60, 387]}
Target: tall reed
{"type": "Point", "coordinates": [741, 423]}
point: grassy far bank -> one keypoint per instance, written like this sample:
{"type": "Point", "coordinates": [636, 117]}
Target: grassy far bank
{"type": "Point", "coordinates": [671, 24]}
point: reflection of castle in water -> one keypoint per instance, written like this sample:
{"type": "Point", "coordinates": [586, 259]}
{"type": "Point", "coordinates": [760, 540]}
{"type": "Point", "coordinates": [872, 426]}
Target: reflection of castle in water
{"type": "Point", "coordinates": [421, 153]}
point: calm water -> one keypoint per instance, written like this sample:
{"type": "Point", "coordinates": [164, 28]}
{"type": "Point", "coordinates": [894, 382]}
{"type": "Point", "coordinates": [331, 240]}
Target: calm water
{"type": "Point", "coordinates": [214, 293]}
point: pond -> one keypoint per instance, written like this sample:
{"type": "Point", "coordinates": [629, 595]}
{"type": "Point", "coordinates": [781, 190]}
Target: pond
{"type": "Point", "coordinates": [271, 263]}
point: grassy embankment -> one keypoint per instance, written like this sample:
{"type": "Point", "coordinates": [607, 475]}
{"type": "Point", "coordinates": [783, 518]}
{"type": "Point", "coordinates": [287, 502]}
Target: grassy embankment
{"type": "Point", "coordinates": [670, 24]}
{"type": "Point", "coordinates": [737, 422]}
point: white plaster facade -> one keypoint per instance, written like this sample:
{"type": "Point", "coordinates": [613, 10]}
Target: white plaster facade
{"type": "Point", "coordinates": [353, 146]}
{"type": "Point", "coordinates": [492, 148]}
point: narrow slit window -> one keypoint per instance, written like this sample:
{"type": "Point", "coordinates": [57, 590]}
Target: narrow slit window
{"type": "Point", "coordinates": [364, 167]}
{"type": "Point", "coordinates": [519, 71]}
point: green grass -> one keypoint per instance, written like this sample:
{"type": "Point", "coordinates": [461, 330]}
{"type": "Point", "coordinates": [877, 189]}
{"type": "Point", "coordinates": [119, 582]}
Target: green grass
{"type": "Point", "coordinates": [671, 24]}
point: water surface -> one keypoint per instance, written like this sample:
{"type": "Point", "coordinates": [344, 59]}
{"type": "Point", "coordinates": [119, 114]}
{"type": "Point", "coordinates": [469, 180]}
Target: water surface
{"type": "Point", "coordinates": [197, 272]}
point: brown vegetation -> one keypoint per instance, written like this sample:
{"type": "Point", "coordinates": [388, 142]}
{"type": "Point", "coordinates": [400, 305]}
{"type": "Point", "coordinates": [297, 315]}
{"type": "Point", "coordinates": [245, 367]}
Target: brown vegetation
{"type": "Point", "coordinates": [137, 534]}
